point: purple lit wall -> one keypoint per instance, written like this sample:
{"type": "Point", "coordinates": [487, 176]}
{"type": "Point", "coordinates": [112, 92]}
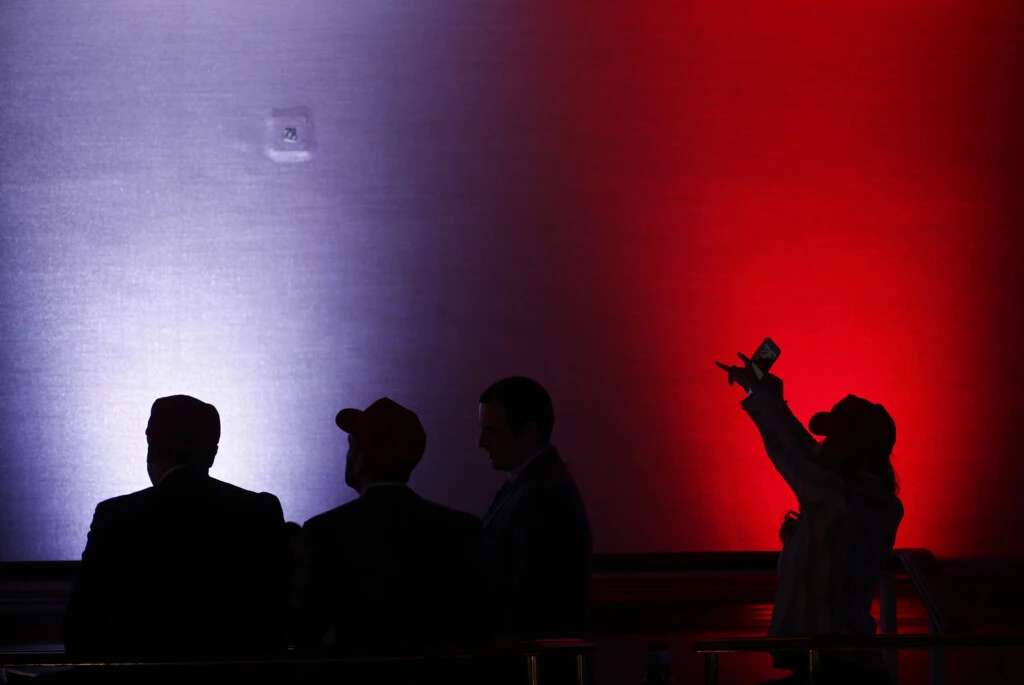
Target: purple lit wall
{"type": "Point", "coordinates": [607, 199]}
{"type": "Point", "coordinates": [155, 240]}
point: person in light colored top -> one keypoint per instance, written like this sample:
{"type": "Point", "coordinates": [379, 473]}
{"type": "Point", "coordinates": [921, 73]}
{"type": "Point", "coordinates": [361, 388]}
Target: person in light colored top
{"type": "Point", "coordinates": [839, 543]}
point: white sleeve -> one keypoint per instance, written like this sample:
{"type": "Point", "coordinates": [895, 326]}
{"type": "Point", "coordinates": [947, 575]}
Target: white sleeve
{"type": "Point", "coordinates": [790, 447]}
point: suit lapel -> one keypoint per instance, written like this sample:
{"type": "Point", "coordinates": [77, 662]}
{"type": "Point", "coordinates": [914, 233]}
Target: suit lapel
{"type": "Point", "coordinates": [509, 488]}
{"type": "Point", "coordinates": [502, 496]}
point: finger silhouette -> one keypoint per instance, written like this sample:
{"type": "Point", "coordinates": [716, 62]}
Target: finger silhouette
{"type": "Point", "coordinates": [727, 369]}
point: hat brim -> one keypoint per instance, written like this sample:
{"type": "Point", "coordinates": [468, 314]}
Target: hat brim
{"type": "Point", "coordinates": [348, 419]}
{"type": "Point", "coordinates": [820, 423]}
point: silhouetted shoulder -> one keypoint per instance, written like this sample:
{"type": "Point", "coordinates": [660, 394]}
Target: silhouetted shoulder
{"type": "Point", "coordinates": [418, 510]}
{"type": "Point", "coordinates": [241, 495]}
{"type": "Point", "coordinates": [453, 517]}
{"type": "Point", "coordinates": [133, 509]}
{"type": "Point", "coordinates": [318, 529]}
{"type": "Point", "coordinates": [122, 502]}
{"type": "Point", "coordinates": [124, 507]}
{"type": "Point", "coordinates": [331, 516]}
{"type": "Point", "coordinates": [549, 479]}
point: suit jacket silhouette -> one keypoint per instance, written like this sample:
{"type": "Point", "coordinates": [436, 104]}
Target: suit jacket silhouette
{"type": "Point", "coordinates": [388, 568]}
{"type": "Point", "coordinates": [192, 563]}
{"type": "Point", "coordinates": [534, 558]}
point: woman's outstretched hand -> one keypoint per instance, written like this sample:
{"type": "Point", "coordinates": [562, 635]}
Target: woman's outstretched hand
{"type": "Point", "coordinates": [743, 375]}
{"type": "Point", "coordinates": [747, 379]}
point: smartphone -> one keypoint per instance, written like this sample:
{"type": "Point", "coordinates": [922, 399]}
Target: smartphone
{"type": "Point", "coordinates": [765, 356]}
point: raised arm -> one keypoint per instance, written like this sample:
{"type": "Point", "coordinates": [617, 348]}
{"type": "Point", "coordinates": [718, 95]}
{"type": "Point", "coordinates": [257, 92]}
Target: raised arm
{"type": "Point", "coordinates": [790, 446]}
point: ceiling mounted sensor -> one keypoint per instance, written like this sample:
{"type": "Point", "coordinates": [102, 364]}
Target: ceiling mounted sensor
{"type": "Point", "coordinates": [289, 135]}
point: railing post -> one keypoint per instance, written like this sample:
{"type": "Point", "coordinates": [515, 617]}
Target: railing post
{"type": "Point", "coordinates": [937, 661]}
{"type": "Point", "coordinates": [814, 676]}
{"type": "Point", "coordinates": [710, 668]}
{"type": "Point", "coordinates": [887, 609]}
{"type": "Point", "coordinates": [531, 669]}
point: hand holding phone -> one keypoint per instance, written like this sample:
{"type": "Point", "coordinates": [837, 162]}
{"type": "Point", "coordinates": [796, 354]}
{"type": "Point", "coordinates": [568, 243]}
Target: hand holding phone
{"type": "Point", "coordinates": [764, 358]}
{"type": "Point", "coordinates": [754, 368]}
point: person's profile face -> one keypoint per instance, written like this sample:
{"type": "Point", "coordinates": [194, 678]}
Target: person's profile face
{"type": "Point", "coordinates": [152, 470]}
{"type": "Point", "coordinates": [353, 463]}
{"type": "Point", "coordinates": [503, 447]}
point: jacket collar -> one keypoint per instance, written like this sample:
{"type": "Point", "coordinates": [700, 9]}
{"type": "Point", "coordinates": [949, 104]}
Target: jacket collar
{"type": "Point", "coordinates": [544, 459]}
{"type": "Point", "coordinates": [179, 474]}
{"type": "Point", "coordinates": [518, 471]}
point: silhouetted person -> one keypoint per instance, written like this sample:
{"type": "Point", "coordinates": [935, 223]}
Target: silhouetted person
{"type": "Point", "coordinates": [191, 564]}
{"type": "Point", "coordinates": [534, 559]}
{"type": "Point", "coordinates": [293, 533]}
{"type": "Point", "coordinates": [389, 568]}
{"type": "Point", "coordinates": [839, 543]}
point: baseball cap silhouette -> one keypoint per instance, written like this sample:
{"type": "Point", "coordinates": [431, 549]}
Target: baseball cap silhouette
{"type": "Point", "coordinates": [391, 435]}
{"type": "Point", "coordinates": [863, 429]}
{"type": "Point", "coordinates": [184, 422]}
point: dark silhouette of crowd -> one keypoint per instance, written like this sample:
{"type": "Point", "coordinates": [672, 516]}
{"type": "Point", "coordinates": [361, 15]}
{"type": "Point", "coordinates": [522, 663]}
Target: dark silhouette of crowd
{"type": "Point", "coordinates": [195, 565]}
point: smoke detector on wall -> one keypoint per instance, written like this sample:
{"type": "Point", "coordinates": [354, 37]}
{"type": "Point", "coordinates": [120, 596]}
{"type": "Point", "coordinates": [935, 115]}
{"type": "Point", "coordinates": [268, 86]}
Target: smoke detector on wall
{"type": "Point", "coordinates": [289, 135]}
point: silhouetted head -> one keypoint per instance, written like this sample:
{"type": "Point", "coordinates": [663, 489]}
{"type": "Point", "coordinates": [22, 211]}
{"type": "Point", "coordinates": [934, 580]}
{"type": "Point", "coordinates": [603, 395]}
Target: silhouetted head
{"type": "Point", "coordinates": [293, 530]}
{"type": "Point", "coordinates": [182, 431]}
{"type": "Point", "coordinates": [385, 443]}
{"type": "Point", "coordinates": [859, 435]}
{"type": "Point", "coordinates": [516, 419]}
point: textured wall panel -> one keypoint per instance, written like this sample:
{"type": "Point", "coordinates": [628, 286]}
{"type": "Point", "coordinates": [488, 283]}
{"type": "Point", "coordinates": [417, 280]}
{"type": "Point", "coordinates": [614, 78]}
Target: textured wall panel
{"type": "Point", "coordinates": [605, 196]}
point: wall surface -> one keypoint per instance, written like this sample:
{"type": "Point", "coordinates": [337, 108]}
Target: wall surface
{"type": "Point", "coordinates": [606, 196]}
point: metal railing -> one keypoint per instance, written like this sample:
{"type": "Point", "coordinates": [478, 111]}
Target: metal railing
{"type": "Point", "coordinates": [529, 652]}
{"type": "Point", "coordinates": [815, 646]}
{"type": "Point", "coordinates": [948, 626]}
{"type": "Point", "coordinates": [919, 566]}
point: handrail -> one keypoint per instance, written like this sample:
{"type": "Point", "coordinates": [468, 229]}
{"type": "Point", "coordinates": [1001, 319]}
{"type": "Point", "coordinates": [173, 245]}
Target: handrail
{"type": "Point", "coordinates": [529, 650]}
{"type": "Point", "coordinates": [944, 615]}
{"type": "Point", "coordinates": [663, 562]}
{"type": "Point", "coordinates": [858, 642]}
{"type": "Point", "coordinates": [921, 567]}
{"type": "Point", "coordinates": [684, 562]}
{"type": "Point", "coordinates": [524, 648]}
{"type": "Point", "coordinates": [831, 643]}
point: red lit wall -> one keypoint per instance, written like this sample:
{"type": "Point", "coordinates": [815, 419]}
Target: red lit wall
{"type": "Point", "coordinates": [845, 177]}
{"type": "Point", "coordinates": [608, 196]}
